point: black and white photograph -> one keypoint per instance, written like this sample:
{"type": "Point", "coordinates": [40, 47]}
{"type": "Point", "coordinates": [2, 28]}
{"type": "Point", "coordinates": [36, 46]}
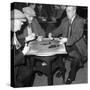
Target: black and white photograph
{"type": "Point", "coordinates": [49, 44]}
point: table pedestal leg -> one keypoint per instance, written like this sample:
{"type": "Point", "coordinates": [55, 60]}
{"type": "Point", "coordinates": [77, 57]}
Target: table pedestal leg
{"type": "Point", "coordinates": [50, 76]}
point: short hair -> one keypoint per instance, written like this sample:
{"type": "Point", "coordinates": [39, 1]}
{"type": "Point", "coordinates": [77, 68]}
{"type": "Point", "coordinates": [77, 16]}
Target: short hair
{"type": "Point", "coordinates": [75, 7]}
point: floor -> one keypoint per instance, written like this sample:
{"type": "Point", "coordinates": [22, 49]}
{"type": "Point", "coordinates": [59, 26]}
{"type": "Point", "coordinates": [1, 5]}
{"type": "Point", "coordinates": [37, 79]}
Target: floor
{"type": "Point", "coordinates": [82, 77]}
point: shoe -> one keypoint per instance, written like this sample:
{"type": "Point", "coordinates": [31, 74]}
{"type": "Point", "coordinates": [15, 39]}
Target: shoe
{"type": "Point", "coordinates": [81, 64]}
{"type": "Point", "coordinates": [69, 81]}
{"type": "Point", "coordinates": [61, 74]}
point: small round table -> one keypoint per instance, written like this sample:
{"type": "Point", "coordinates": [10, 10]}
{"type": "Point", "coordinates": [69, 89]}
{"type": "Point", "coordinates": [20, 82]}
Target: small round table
{"type": "Point", "coordinates": [46, 51]}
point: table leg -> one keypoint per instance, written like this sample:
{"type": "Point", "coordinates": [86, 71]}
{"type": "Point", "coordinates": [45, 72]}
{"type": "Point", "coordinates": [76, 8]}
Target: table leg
{"type": "Point", "coordinates": [50, 76]}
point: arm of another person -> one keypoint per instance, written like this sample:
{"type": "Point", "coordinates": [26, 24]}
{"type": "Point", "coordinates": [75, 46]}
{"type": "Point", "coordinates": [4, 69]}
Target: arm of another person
{"type": "Point", "coordinates": [59, 31]}
{"type": "Point", "coordinates": [24, 34]}
{"type": "Point", "coordinates": [37, 29]}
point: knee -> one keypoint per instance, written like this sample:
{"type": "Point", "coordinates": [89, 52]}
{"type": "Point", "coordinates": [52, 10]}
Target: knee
{"type": "Point", "coordinates": [75, 63]}
{"type": "Point", "coordinates": [75, 56]}
{"type": "Point", "coordinates": [76, 60]}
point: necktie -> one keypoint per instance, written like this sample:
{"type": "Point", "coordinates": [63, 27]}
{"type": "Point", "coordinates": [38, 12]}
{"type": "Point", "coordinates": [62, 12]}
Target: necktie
{"type": "Point", "coordinates": [69, 29]}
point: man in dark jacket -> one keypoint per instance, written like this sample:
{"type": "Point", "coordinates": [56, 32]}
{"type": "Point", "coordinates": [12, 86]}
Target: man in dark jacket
{"type": "Point", "coordinates": [72, 28]}
{"type": "Point", "coordinates": [33, 24]}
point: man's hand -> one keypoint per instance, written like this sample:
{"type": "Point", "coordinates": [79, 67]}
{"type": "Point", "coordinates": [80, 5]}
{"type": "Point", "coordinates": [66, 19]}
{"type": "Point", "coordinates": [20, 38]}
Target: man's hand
{"type": "Point", "coordinates": [40, 38]}
{"type": "Point", "coordinates": [25, 49]}
{"type": "Point", "coordinates": [63, 40]}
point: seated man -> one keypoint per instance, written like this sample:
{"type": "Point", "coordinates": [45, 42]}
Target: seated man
{"type": "Point", "coordinates": [18, 66]}
{"type": "Point", "coordinates": [72, 28]}
{"type": "Point", "coordinates": [33, 28]}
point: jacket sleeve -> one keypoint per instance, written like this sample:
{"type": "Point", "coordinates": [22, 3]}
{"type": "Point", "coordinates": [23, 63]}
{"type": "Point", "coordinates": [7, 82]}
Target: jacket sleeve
{"type": "Point", "coordinates": [59, 31]}
{"type": "Point", "coordinates": [77, 34]}
{"type": "Point", "coordinates": [37, 29]}
{"type": "Point", "coordinates": [23, 34]}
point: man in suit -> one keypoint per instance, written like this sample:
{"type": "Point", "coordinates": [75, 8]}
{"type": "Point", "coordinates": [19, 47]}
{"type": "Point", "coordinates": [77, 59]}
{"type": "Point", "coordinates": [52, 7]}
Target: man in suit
{"type": "Point", "coordinates": [33, 28]}
{"type": "Point", "coordinates": [72, 28]}
{"type": "Point", "coordinates": [20, 69]}
{"type": "Point", "coordinates": [16, 24]}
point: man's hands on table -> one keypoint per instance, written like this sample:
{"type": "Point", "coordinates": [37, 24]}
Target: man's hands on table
{"type": "Point", "coordinates": [40, 38]}
{"type": "Point", "coordinates": [61, 39]}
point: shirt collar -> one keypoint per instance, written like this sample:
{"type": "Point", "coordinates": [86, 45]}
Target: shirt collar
{"type": "Point", "coordinates": [73, 18]}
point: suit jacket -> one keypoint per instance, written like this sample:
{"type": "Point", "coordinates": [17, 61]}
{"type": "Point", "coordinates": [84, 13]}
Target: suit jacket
{"type": "Point", "coordinates": [36, 28]}
{"type": "Point", "coordinates": [76, 33]}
